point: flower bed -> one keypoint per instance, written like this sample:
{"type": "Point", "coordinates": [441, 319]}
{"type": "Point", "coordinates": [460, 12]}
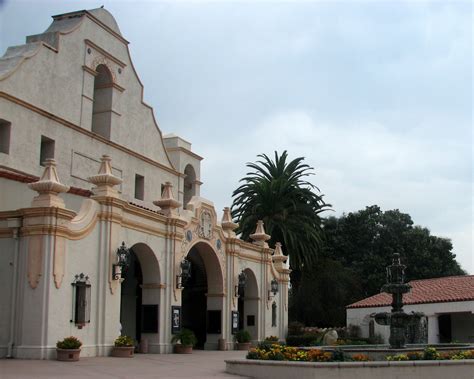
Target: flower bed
{"type": "Point", "coordinates": [277, 352]}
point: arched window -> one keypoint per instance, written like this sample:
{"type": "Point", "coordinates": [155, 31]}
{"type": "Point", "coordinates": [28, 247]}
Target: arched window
{"type": "Point", "coordinates": [189, 184]}
{"type": "Point", "coordinates": [102, 107]}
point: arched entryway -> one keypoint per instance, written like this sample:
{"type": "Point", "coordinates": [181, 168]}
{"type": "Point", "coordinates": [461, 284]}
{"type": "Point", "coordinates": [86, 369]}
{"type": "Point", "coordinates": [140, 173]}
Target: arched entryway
{"type": "Point", "coordinates": [248, 305]}
{"type": "Point", "coordinates": [140, 296]}
{"type": "Point", "coordinates": [203, 296]}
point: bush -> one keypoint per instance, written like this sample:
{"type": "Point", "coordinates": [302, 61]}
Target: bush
{"type": "Point", "coordinates": [307, 339]}
{"type": "Point", "coordinates": [242, 336]}
{"type": "Point", "coordinates": [430, 354]}
{"type": "Point", "coordinates": [69, 343]}
{"type": "Point", "coordinates": [185, 337]}
{"type": "Point", "coordinates": [295, 328]}
{"type": "Point", "coordinates": [124, 341]}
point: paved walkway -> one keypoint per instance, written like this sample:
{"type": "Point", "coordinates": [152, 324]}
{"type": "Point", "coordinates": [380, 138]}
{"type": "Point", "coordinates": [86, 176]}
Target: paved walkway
{"type": "Point", "coordinates": [200, 364]}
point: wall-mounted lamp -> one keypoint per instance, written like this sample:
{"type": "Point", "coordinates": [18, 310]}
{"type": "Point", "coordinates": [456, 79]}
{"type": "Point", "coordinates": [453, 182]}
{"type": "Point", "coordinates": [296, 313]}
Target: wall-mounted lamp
{"type": "Point", "coordinates": [185, 274]}
{"type": "Point", "coordinates": [123, 261]}
{"type": "Point", "coordinates": [273, 289]}
{"type": "Point", "coordinates": [240, 288]}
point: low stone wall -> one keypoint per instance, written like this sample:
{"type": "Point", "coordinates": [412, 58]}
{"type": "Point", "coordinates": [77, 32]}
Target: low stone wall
{"type": "Point", "coordinates": [462, 369]}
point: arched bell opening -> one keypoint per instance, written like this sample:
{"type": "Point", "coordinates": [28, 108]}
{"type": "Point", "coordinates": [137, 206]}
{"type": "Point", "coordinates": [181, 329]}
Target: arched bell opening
{"type": "Point", "coordinates": [189, 184]}
{"type": "Point", "coordinates": [102, 105]}
{"type": "Point", "coordinates": [202, 297]}
{"type": "Point", "coordinates": [140, 297]}
{"type": "Point", "coordinates": [248, 305]}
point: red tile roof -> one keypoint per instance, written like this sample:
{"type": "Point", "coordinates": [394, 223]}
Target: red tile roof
{"type": "Point", "coordinates": [438, 290]}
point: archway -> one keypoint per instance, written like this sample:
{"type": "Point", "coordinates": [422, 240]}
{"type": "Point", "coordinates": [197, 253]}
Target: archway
{"type": "Point", "coordinates": [102, 106]}
{"type": "Point", "coordinates": [189, 184]}
{"type": "Point", "coordinates": [202, 296]}
{"type": "Point", "coordinates": [248, 305]}
{"type": "Point", "coordinates": [140, 296]}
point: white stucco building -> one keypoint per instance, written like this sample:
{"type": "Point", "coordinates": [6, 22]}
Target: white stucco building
{"type": "Point", "coordinates": [84, 167]}
{"type": "Point", "coordinates": [448, 304]}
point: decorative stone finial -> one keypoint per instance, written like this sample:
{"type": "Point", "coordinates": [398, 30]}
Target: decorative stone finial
{"type": "Point", "coordinates": [278, 255]}
{"type": "Point", "coordinates": [48, 187]}
{"type": "Point", "coordinates": [260, 237]}
{"type": "Point", "coordinates": [105, 181]}
{"type": "Point", "coordinates": [167, 203]}
{"type": "Point", "coordinates": [227, 224]}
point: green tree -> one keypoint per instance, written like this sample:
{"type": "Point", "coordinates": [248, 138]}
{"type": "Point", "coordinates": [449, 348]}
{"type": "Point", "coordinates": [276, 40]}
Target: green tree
{"type": "Point", "coordinates": [277, 192]}
{"type": "Point", "coordinates": [357, 248]}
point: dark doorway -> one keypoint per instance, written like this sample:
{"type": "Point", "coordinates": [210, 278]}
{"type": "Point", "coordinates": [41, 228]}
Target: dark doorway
{"type": "Point", "coordinates": [240, 309]}
{"type": "Point", "coordinates": [444, 323]}
{"type": "Point", "coordinates": [131, 299]}
{"type": "Point", "coordinates": [194, 299]}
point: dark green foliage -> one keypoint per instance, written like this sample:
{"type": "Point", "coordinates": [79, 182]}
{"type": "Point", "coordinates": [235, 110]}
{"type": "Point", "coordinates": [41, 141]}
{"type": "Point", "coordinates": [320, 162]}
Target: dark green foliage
{"type": "Point", "coordinates": [307, 339]}
{"type": "Point", "coordinates": [351, 266]}
{"type": "Point", "coordinates": [185, 337]}
{"type": "Point", "coordinates": [69, 343]}
{"type": "Point", "coordinates": [242, 336]}
{"type": "Point", "coordinates": [277, 193]}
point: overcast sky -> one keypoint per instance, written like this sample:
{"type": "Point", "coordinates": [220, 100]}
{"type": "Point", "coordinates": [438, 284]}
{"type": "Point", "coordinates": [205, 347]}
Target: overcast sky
{"type": "Point", "coordinates": [377, 96]}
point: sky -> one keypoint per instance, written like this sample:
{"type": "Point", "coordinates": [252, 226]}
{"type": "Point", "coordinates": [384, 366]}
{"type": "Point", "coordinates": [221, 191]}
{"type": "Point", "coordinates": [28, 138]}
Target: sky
{"type": "Point", "coordinates": [376, 95]}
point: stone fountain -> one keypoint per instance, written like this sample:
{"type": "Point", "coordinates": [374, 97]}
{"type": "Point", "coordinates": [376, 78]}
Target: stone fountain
{"type": "Point", "coordinates": [397, 318]}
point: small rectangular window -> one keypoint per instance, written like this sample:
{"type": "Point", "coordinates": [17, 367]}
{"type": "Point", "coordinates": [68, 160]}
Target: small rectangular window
{"type": "Point", "coordinates": [81, 301]}
{"type": "Point", "coordinates": [5, 127]}
{"type": "Point", "coordinates": [46, 150]}
{"type": "Point", "coordinates": [139, 187]}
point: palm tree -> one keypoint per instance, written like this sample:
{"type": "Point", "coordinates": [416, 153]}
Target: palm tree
{"type": "Point", "coordinates": [277, 193]}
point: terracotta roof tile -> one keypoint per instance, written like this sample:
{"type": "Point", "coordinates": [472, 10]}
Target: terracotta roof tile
{"type": "Point", "coordinates": [437, 290]}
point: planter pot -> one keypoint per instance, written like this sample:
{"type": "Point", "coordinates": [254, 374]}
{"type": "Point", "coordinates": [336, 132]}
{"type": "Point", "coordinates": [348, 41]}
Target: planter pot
{"type": "Point", "coordinates": [183, 349]}
{"type": "Point", "coordinates": [123, 351]}
{"type": "Point", "coordinates": [243, 345]}
{"type": "Point", "coordinates": [68, 355]}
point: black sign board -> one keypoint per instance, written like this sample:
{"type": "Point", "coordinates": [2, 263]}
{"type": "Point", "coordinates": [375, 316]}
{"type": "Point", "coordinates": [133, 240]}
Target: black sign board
{"type": "Point", "coordinates": [250, 320]}
{"type": "Point", "coordinates": [235, 322]}
{"type": "Point", "coordinates": [175, 319]}
{"type": "Point", "coordinates": [150, 318]}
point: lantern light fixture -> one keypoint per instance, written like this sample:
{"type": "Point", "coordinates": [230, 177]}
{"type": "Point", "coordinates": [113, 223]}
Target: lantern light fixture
{"type": "Point", "coordinates": [123, 262]}
{"type": "Point", "coordinates": [273, 289]}
{"type": "Point", "coordinates": [240, 287]}
{"type": "Point", "coordinates": [185, 274]}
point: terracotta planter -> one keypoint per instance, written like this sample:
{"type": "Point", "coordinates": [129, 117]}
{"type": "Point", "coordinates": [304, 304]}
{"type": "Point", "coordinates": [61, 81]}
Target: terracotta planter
{"type": "Point", "coordinates": [243, 345]}
{"type": "Point", "coordinates": [68, 355]}
{"type": "Point", "coordinates": [183, 349]}
{"type": "Point", "coordinates": [123, 351]}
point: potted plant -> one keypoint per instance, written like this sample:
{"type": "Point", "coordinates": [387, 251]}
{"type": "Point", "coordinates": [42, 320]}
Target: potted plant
{"type": "Point", "coordinates": [124, 346]}
{"type": "Point", "coordinates": [242, 337]}
{"type": "Point", "coordinates": [69, 349]}
{"type": "Point", "coordinates": [185, 340]}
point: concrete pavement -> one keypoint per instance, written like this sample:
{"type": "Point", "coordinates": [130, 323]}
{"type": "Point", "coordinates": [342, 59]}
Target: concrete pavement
{"type": "Point", "coordinates": [200, 364]}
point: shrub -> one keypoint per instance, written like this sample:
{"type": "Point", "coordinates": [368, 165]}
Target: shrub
{"type": "Point", "coordinates": [242, 336]}
{"type": "Point", "coordinates": [307, 339]}
{"type": "Point", "coordinates": [272, 339]}
{"type": "Point", "coordinates": [430, 354]}
{"type": "Point", "coordinates": [295, 328]}
{"type": "Point", "coordinates": [69, 343]}
{"type": "Point", "coordinates": [185, 337]}
{"type": "Point", "coordinates": [124, 341]}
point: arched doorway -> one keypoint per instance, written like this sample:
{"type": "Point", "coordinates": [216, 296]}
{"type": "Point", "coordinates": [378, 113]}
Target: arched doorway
{"type": "Point", "coordinates": [202, 296]}
{"type": "Point", "coordinates": [140, 296]}
{"type": "Point", "coordinates": [248, 305]}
